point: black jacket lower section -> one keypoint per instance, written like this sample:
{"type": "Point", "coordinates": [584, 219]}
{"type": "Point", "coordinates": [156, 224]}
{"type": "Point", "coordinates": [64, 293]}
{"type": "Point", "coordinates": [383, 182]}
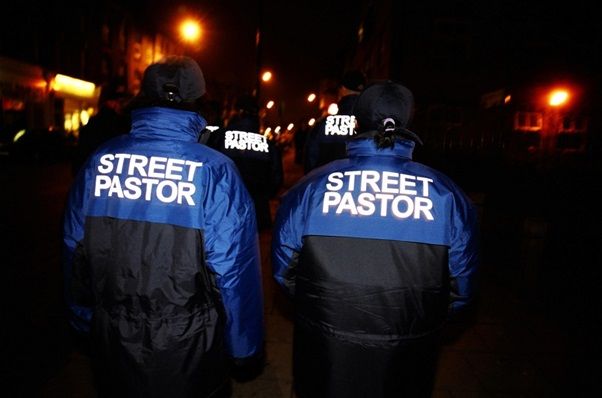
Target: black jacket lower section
{"type": "Point", "coordinates": [158, 323]}
{"type": "Point", "coordinates": [368, 316]}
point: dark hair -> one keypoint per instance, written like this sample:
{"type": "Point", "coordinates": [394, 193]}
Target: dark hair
{"type": "Point", "coordinates": [385, 135]}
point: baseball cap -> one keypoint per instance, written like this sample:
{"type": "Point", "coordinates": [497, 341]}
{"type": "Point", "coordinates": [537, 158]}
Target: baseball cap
{"type": "Point", "coordinates": [175, 81]}
{"type": "Point", "coordinates": [385, 106]}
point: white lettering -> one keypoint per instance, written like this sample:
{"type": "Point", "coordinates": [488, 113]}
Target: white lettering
{"type": "Point", "coordinates": [370, 193]}
{"type": "Point", "coordinates": [106, 164]}
{"type": "Point", "coordinates": [138, 177]}
{"type": "Point", "coordinates": [155, 167]}
{"type": "Point", "coordinates": [245, 141]}
{"type": "Point", "coordinates": [340, 125]}
{"type": "Point", "coordinates": [173, 171]}
{"type": "Point", "coordinates": [137, 164]}
{"type": "Point", "coordinates": [335, 181]}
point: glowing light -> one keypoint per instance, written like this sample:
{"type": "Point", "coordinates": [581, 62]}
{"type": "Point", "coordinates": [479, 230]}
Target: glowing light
{"type": "Point", "coordinates": [333, 109]}
{"type": "Point", "coordinates": [290, 126]}
{"type": "Point", "coordinates": [67, 124]}
{"type": "Point", "coordinates": [507, 99]}
{"type": "Point", "coordinates": [270, 104]}
{"type": "Point", "coordinates": [18, 135]}
{"type": "Point", "coordinates": [311, 122]}
{"type": "Point", "coordinates": [75, 120]}
{"type": "Point", "coordinates": [266, 76]}
{"type": "Point", "coordinates": [277, 130]}
{"type": "Point", "coordinates": [73, 86]}
{"type": "Point", "coordinates": [311, 97]}
{"type": "Point", "coordinates": [558, 97]}
{"type": "Point", "coordinates": [190, 30]}
{"type": "Point", "coordinates": [85, 117]}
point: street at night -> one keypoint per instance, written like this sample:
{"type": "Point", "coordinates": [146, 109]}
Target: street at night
{"type": "Point", "coordinates": [532, 336]}
{"type": "Point", "coordinates": [498, 100]}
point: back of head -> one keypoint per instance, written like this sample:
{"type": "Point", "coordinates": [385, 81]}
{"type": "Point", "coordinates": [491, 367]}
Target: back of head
{"type": "Point", "coordinates": [174, 82]}
{"type": "Point", "coordinates": [353, 80]}
{"type": "Point", "coordinates": [383, 110]}
{"type": "Point", "coordinates": [247, 104]}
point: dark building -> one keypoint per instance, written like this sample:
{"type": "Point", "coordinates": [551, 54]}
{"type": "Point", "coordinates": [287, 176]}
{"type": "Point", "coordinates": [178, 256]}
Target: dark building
{"type": "Point", "coordinates": [459, 57]}
{"type": "Point", "coordinates": [55, 60]}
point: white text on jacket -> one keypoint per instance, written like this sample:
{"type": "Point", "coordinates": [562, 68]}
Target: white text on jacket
{"type": "Point", "coordinates": [246, 141]}
{"type": "Point", "coordinates": [135, 177]}
{"type": "Point", "coordinates": [339, 125]}
{"type": "Point", "coordinates": [370, 192]}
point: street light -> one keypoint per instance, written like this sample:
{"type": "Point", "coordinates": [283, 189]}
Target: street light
{"type": "Point", "coordinates": [558, 97]}
{"type": "Point", "coordinates": [190, 31]}
{"type": "Point", "coordinates": [266, 76]}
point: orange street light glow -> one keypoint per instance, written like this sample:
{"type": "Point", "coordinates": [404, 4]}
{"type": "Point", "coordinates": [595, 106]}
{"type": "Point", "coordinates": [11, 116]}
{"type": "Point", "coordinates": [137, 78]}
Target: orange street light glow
{"type": "Point", "coordinates": [333, 109]}
{"type": "Point", "coordinates": [190, 30]}
{"type": "Point", "coordinates": [267, 76]}
{"type": "Point", "coordinates": [73, 86]}
{"type": "Point", "coordinates": [558, 97]}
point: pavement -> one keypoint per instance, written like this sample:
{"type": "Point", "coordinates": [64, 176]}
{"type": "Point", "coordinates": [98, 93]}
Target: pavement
{"type": "Point", "coordinates": [527, 338]}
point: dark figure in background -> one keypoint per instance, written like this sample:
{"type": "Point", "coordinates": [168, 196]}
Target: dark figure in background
{"type": "Point", "coordinates": [213, 109]}
{"type": "Point", "coordinates": [110, 121]}
{"type": "Point", "coordinates": [299, 140]}
{"type": "Point", "coordinates": [378, 252]}
{"type": "Point", "coordinates": [326, 140]}
{"type": "Point", "coordinates": [259, 160]}
{"type": "Point", "coordinates": [161, 251]}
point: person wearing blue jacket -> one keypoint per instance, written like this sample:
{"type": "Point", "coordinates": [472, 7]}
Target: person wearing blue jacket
{"type": "Point", "coordinates": [161, 253]}
{"type": "Point", "coordinates": [377, 252]}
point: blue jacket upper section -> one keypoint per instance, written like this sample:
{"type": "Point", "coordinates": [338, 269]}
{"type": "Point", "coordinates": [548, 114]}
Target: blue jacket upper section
{"type": "Point", "coordinates": [159, 173]}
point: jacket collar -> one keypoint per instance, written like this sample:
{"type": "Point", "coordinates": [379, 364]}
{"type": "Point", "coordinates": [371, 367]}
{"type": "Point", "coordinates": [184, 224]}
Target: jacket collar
{"type": "Point", "coordinates": [167, 123]}
{"type": "Point", "coordinates": [366, 147]}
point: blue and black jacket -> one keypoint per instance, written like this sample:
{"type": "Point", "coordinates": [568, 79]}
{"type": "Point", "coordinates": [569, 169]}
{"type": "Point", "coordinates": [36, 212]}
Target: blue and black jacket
{"type": "Point", "coordinates": [161, 259]}
{"type": "Point", "coordinates": [376, 251]}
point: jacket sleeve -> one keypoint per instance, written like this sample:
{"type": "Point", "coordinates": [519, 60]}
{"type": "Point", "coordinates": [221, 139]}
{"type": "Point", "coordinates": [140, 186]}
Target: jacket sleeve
{"type": "Point", "coordinates": [463, 254]}
{"type": "Point", "coordinates": [287, 238]}
{"type": "Point", "coordinates": [77, 292]}
{"type": "Point", "coordinates": [232, 253]}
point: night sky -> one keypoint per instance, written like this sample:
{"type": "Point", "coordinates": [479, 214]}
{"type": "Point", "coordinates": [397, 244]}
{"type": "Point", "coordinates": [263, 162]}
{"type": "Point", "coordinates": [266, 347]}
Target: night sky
{"type": "Point", "coordinates": [306, 41]}
{"type": "Point", "coordinates": [302, 41]}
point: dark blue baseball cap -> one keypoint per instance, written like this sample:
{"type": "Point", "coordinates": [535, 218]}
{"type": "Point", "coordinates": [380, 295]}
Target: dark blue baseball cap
{"type": "Point", "coordinates": [385, 106]}
{"type": "Point", "coordinates": [175, 81]}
